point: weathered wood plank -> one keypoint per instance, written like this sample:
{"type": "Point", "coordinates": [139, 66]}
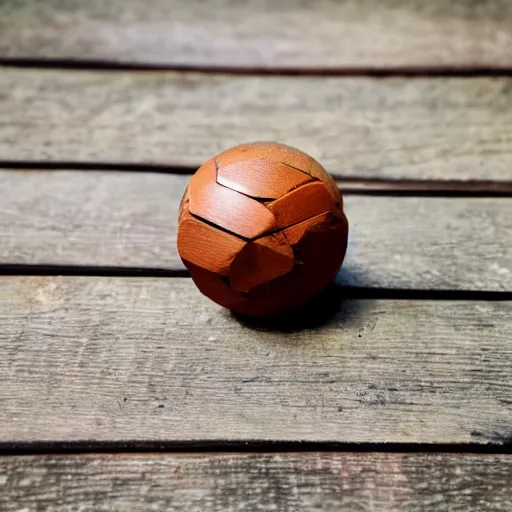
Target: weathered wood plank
{"type": "Point", "coordinates": [151, 359]}
{"type": "Point", "coordinates": [90, 218]}
{"type": "Point", "coordinates": [130, 219]}
{"type": "Point", "coordinates": [290, 482]}
{"type": "Point", "coordinates": [311, 34]}
{"type": "Point", "coordinates": [359, 127]}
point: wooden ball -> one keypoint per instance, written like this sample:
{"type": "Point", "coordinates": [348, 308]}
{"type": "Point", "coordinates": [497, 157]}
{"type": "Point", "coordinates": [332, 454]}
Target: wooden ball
{"type": "Point", "coordinates": [262, 228]}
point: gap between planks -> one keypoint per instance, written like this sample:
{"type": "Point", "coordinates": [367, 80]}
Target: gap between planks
{"type": "Point", "coordinates": [453, 71]}
{"type": "Point", "coordinates": [347, 185]}
{"type": "Point", "coordinates": [10, 449]}
{"type": "Point", "coordinates": [347, 291]}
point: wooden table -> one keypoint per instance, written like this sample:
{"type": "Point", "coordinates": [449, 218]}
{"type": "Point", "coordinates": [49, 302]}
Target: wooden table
{"type": "Point", "coordinates": [123, 389]}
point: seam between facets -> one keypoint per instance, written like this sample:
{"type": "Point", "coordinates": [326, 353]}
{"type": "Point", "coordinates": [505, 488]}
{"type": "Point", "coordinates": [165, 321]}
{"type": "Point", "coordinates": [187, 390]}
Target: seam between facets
{"type": "Point", "coordinates": [220, 228]}
{"type": "Point", "coordinates": [297, 169]}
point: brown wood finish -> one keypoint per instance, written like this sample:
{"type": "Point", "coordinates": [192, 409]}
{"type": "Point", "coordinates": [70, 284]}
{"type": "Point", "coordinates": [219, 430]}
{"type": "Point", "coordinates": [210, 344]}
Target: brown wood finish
{"type": "Point", "coordinates": [446, 129]}
{"type": "Point", "coordinates": [314, 198]}
{"type": "Point", "coordinates": [247, 34]}
{"type": "Point", "coordinates": [263, 196]}
{"type": "Point", "coordinates": [132, 359]}
{"type": "Point", "coordinates": [263, 260]}
{"type": "Point", "coordinates": [206, 246]}
{"type": "Point", "coordinates": [346, 482]}
{"type": "Point", "coordinates": [240, 215]}
{"type": "Point", "coordinates": [297, 231]}
{"type": "Point", "coordinates": [261, 179]}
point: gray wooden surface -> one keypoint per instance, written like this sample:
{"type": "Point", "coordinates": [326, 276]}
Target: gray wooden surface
{"type": "Point", "coordinates": [150, 362]}
{"type": "Point", "coordinates": [358, 127]}
{"type": "Point", "coordinates": [344, 482]}
{"type": "Point", "coordinates": [130, 219]}
{"type": "Point", "coordinates": [310, 34]}
{"type": "Point", "coordinates": [151, 359]}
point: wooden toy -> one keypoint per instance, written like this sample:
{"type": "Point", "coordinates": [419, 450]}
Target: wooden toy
{"type": "Point", "coordinates": [262, 228]}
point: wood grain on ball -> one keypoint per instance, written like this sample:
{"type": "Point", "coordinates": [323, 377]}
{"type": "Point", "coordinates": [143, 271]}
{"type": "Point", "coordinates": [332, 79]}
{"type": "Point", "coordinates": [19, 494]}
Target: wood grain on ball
{"type": "Point", "coordinates": [205, 246]}
{"type": "Point", "coordinates": [262, 228]}
{"type": "Point", "coordinates": [302, 203]}
{"type": "Point", "coordinates": [261, 261]}
{"type": "Point", "coordinates": [296, 232]}
{"type": "Point", "coordinates": [225, 207]}
{"type": "Point", "coordinates": [261, 178]}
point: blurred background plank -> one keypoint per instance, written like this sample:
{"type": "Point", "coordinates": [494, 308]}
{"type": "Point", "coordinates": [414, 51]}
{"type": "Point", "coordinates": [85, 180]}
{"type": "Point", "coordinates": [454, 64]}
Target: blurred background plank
{"type": "Point", "coordinates": [130, 219]}
{"type": "Point", "coordinates": [357, 127]}
{"type": "Point", "coordinates": [136, 359]}
{"type": "Point", "coordinates": [296, 34]}
{"type": "Point", "coordinates": [229, 482]}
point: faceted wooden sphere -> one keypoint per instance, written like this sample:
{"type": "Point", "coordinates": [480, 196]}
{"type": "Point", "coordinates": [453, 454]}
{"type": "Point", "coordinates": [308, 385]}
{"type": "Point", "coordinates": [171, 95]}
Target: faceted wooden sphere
{"type": "Point", "coordinates": [262, 228]}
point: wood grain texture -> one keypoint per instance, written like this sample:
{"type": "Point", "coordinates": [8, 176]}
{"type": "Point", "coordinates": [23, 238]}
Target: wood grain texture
{"type": "Point", "coordinates": [285, 482]}
{"type": "Point", "coordinates": [311, 34]}
{"type": "Point", "coordinates": [130, 219]}
{"type": "Point", "coordinates": [120, 359]}
{"type": "Point", "coordinates": [355, 127]}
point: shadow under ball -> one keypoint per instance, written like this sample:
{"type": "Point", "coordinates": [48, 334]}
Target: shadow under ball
{"type": "Point", "coordinates": [262, 228]}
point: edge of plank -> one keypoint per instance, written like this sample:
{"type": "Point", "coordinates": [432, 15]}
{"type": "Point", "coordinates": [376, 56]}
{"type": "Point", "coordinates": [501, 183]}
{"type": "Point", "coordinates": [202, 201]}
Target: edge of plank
{"type": "Point", "coordinates": [245, 446]}
{"type": "Point", "coordinates": [347, 185]}
{"type": "Point", "coordinates": [335, 291]}
{"type": "Point", "coordinates": [385, 71]}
